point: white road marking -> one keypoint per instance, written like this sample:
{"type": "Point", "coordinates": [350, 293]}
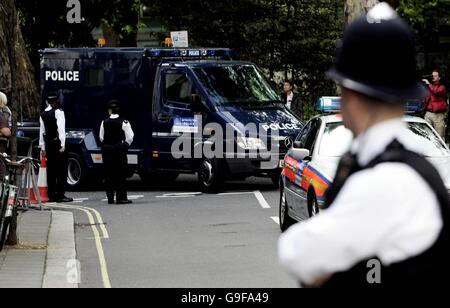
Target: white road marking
{"type": "Point", "coordinates": [131, 197]}
{"type": "Point", "coordinates": [135, 197]}
{"type": "Point", "coordinates": [262, 201]}
{"type": "Point", "coordinates": [81, 199]}
{"type": "Point", "coordinates": [236, 193]}
{"type": "Point", "coordinates": [181, 195]}
{"type": "Point", "coordinates": [98, 243]}
{"type": "Point", "coordinates": [276, 220]}
{"type": "Point", "coordinates": [174, 197]}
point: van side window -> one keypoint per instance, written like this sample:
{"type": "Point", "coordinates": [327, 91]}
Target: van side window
{"type": "Point", "coordinates": [95, 77]}
{"type": "Point", "coordinates": [178, 88]}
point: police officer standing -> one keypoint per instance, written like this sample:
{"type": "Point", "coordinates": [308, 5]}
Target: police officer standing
{"type": "Point", "coordinates": [116, 136]}
{"type": "Point", "coordinates": [53, 143]}
{"type": "Point", "coordinates": [387, 214]}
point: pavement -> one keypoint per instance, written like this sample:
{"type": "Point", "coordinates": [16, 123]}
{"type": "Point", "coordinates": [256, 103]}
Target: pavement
{"type": "Point", "coordinates": [46, 253]}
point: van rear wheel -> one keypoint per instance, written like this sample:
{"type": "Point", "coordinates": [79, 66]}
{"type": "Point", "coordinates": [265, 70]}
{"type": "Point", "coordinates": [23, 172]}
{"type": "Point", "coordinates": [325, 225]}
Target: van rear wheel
{"type": "Point", "coordinates": [211, 175]}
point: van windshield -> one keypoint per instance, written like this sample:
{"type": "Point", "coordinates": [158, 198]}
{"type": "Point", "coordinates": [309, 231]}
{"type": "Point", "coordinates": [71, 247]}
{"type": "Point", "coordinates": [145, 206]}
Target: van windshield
{"type": "Point", "coordinates": [236, 85]}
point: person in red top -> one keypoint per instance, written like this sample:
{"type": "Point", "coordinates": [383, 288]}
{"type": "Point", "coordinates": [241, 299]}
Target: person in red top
{"type": "Point", "coordinates": [436, 106]}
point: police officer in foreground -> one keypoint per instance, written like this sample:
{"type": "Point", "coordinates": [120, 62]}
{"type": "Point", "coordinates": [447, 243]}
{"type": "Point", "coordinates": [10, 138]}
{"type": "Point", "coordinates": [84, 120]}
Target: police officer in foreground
{"type": "Point", "coordinates": [116, 136]}
{"type": "Point", "coordinates": [53, 144]}
{"type": "Point", "coordinates": [388, 209]}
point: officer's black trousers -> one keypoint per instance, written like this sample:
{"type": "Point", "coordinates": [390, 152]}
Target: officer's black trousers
{"type": "Point", "coordinates": [115, 164]}
{"type": "Point", "coordinates": [56, 171]}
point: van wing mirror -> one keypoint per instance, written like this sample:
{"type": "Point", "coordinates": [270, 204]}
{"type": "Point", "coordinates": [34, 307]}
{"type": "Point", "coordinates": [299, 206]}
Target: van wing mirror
{"type": "Point", "coordinates": [197, 104]}
{"type": "Point", "coordinates": [301, 154]}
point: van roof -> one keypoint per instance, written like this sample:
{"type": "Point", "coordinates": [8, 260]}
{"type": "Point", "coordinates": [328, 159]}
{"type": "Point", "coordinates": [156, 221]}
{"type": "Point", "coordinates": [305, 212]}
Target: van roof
{"type": "Point", "coordinates": [156, 53]}
{"type": "Point", "coordinates": [205, 63]}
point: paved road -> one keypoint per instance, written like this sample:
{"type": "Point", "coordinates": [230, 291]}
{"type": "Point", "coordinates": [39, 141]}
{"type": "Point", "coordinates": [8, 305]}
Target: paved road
{"type": "Point", "coordinates": [173, 237]}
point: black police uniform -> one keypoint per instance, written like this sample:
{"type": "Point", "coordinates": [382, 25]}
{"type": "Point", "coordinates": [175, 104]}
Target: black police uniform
{"type": "Point", "coordinates": [430, 268]}
{"type": "Point", "coordinates": [56, 161]}
{"type": "Point", "coordinates": [115, 162]}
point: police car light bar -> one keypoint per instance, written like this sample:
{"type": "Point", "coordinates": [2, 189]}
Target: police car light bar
{"type": "Point", "coordinates": [189, 53]}
{"type": "Point", "coordinates": [328, 104]}
{"type": "Point", "coordinates": [414, 106]}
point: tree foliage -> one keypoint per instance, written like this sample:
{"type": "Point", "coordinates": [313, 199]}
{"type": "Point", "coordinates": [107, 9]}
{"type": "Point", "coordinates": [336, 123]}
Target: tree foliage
{"type": "Point", "coordinates": [431, 21]}
{"type": "Point", "coordinates": [44, 23]}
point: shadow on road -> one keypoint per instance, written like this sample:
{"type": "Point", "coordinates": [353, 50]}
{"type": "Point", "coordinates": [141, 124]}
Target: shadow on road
{"type": "Point", "coordinates": [188, 183]}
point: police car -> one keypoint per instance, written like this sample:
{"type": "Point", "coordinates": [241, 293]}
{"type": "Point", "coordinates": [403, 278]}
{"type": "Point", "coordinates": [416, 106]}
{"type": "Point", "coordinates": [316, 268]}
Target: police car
{"type": "Point", "coordinates": [311, 164]}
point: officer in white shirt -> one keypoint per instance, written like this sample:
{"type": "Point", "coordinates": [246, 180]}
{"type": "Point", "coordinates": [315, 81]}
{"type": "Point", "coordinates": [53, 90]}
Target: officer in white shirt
{"type": "Point", "coordinates": [388, 210]}
{"type": "Point", "coordinates": [52, 142]}
{"type": "Point", "coordinates": [116, 136]}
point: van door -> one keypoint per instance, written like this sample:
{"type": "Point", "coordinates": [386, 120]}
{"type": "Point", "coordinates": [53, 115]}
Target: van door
{"type": "Point", "coordinates": [175, 119]}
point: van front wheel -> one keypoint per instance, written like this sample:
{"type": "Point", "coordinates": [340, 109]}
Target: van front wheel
{"type": "Point", "coordinates": [76, 176]}
{"type": "Point", "coordinates": [211, 175]}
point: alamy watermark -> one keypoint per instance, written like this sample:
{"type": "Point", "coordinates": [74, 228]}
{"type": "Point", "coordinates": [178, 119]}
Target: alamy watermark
{"type": "Point", "coordinates": [74, 14]}
{"type": "Point", "coordinates": [231, 141]}
{"type": "Point", "coordinates": [73, 274]}
{"type": "Point", "coordinates": [374, 274]}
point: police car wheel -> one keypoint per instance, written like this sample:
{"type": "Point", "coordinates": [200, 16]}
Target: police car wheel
{"type": "Point", "coordinates": [285, 220]}
{"type": "Point", "coordinates": [275, 180]}
{"type": "Point", "coordinates": [76, 171]}
{"type": "Point", "coordinates": [313, 207]}
{"type": "Point", "coordinates": [210, 175]}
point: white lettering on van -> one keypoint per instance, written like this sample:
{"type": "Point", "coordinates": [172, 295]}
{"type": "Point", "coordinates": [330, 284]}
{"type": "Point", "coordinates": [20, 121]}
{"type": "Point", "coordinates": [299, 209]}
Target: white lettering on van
{"type": "Point", "coordinates": [71, 76]}
{"type": "Point", "coordinates": [278, 126]}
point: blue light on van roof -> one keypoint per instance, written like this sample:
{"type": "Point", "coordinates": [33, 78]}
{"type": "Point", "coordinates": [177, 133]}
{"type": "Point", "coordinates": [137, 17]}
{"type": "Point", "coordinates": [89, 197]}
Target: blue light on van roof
{"type": "Point", "coordinates": [328, 104]}
{"type": "Point", "coordinates": [155, 53]}
{"type": "Point", "coordinates": [223, 53]}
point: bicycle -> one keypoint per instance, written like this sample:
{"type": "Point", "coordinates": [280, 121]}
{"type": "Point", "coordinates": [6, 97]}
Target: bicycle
{"type": "Point", "coordinates": [9, 194]}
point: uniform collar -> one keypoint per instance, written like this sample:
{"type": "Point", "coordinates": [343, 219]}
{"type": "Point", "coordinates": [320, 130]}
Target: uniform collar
{"type": "Point", "coordinates": [376, 139]}
{"type": "Point", "coordinates": [49, 108]}
{"type": "Point", "coordinates": [114, 116]}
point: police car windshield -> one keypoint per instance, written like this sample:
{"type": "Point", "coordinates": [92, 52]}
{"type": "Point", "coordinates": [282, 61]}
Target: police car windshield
{"type": "Point", "coordinates": [336, 140]}
{"type": "Point", "coordinates": [236, 85]}
{"type": "Point", "coordinates": [428, 142]}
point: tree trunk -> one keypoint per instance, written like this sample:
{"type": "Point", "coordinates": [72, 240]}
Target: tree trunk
{"type": "Point", "coordinates": [27, 93]}
{"type": "Point", "coordinates": [355, 8]}
{"type": "Point", "coordinates": [10, 32]}
{"type": "Point", "coordinates": [16, 80]}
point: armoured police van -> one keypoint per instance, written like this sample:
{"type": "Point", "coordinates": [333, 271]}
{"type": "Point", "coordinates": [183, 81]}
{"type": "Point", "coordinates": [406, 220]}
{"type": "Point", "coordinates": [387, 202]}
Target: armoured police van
{"type": "Point", "coordinates": [175, 100]}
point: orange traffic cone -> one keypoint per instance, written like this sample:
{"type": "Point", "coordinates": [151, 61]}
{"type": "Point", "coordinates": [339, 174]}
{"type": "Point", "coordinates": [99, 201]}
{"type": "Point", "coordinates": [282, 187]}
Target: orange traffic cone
{"type": "Point", "coordinates": [42, 183]}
